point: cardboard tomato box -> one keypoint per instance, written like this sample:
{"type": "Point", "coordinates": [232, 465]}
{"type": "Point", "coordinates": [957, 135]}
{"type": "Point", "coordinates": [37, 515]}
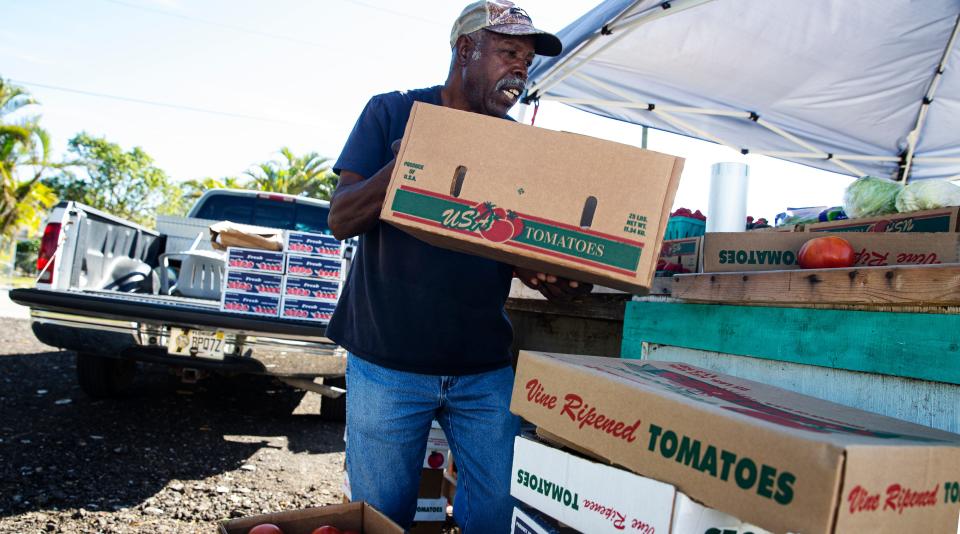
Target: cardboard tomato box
{"type": "Point", "coordinates": [252, 282]}
{"type": "Point", "coordinates": [586, 495]}
{"type": "Point", "coordinates": [556, 202]}
{"type": "Point", "coordinates": [784, 461]}
{"type": "Point", "coordinates": [313, 266]}
{"type": "Point", "coordinates": [691, 517]}
{"type": "Point", "coordinates": [678, 256]}
{"type": "Point", "coordinates": [307, 309]}
{"type": "Point", "coordinates": [262, 305]}
{"type": "Point", "coordinates": [357, 516]}
{"type": "Point", "coordinates": [938, 220]}
{"type": "Point", "coordinates": [312, 244]}
{"type": "Point", "coordinates": [620, 507]}
{"type": "Point", "coordinates": [526, 520]}
{"type": "Point", "coordinates": [766, 251]}
{"type": "Point", "coordinates": [295, 286]}
{"type": "Point", "coordinates": [250, 259]}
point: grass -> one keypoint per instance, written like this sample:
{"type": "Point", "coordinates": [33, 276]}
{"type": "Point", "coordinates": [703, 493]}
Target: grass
{"type": "Point", "coordinates": [17, 281]}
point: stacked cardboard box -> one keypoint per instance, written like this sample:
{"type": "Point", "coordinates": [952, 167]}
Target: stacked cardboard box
{"type": "Point", "coordinates": [252, 282]}
{"type": "Point", "coordinates": [590, 496]}
{"type": "Point", "coordinates": [765, 251]}
{"type": "Point", "coordinates": [937, 220]}
{"type": "Point", "coordinates": [303, 281]}
{"type": "Point", "coordinates": [313, 276]}
{"type": "Point", "coordinates": [771, 457]}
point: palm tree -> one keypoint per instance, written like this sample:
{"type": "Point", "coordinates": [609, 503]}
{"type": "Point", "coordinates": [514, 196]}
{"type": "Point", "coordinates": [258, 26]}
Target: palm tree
{"type": "Point", "coordinates": [24, 150]}
{"type": "Point", "coordinates": [194, 189]}
{"type": "Point", "coordinates": [308, 175]}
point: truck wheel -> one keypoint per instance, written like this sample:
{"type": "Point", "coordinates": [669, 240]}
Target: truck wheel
{"type": "Point", "coordinates": [102, 377]}
{"type": "Point", "coordinates": [334, 409]}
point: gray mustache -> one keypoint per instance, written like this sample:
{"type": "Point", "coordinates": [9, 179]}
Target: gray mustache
{"type": "Point", "coordinates": [511, 83]}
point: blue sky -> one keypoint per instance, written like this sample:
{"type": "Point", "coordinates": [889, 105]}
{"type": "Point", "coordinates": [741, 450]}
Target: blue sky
{"type": "Point", "coordinates": [231, 82]}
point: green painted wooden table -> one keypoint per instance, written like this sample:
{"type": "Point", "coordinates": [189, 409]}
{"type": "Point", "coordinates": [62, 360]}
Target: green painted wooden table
{"type": "Point", "coordinates": [906, 365]}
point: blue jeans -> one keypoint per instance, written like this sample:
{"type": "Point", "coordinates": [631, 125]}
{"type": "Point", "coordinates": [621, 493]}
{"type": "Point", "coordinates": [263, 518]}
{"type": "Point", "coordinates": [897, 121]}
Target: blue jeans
{"type": "Point", "coordinates": [388, 418]}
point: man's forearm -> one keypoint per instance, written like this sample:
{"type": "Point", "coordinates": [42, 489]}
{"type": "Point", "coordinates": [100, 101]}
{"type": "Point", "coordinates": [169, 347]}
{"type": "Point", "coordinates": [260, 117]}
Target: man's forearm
{"type": "Point", "coordinates": [355, 207]}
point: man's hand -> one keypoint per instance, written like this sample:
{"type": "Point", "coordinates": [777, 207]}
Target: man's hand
{"type": "Point", "coordinates": [551, 286]}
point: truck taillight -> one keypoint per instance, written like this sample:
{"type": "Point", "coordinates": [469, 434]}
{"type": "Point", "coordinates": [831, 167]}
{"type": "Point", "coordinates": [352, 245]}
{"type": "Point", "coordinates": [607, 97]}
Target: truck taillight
{"type": "Point", "coordinates": [48, 247]}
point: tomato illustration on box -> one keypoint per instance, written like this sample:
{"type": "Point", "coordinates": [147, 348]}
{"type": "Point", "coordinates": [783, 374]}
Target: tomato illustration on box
{"type": "Point", "coordinates": [296, 286]}
{"type": "Point", "coordinates": [307, 310]}
{"type": "Point", "coordinates": [313, 244]}
{"type": "Point", "coordinates": [313, 266]}
{"type": "Point", "coordinates": [255, 260]}
{"type": "Point", "coordinates": [254, 283]}
{"type": "Point", "coordinates": [263, 305]}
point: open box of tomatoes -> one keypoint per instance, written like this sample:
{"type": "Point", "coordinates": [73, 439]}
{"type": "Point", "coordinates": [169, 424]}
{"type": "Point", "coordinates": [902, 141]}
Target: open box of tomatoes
{"type": "Point", "coordinates": [351, 518]}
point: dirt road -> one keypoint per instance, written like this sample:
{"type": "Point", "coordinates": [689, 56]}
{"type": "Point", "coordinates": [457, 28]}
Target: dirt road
{"type": "Point", "coordinates": [169, 458]}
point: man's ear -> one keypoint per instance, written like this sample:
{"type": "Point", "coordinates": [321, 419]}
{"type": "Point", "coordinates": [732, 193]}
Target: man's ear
{"type": "Point", "coordinates": [464, 49]}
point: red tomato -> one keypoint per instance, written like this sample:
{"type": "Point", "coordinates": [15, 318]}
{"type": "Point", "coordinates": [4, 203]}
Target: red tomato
{"type": "Point", "coordinates": [826, 252]}
{"type": "Point", "coordinates": [265, 528]}
{"type": "Point", "coordinates": [326, 529]}
{"type": "Point", "coordinates": [435, 460]}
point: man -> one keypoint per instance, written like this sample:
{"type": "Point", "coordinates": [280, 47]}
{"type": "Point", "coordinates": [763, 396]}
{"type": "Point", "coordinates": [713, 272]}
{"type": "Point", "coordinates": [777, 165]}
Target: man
{"type": "Point", "coordinates": [425, 327]}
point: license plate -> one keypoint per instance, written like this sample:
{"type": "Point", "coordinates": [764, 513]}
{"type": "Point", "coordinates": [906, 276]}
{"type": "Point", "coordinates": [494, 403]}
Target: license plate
{"type": "Point", "coordinates": [196, 343]}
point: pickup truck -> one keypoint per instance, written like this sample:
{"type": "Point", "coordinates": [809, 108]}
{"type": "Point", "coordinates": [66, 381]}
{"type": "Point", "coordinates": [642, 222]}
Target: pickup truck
{"type": "Point", "coordinates": [99, 294]}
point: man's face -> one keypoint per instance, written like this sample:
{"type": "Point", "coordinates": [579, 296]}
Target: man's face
{"type": "Point", "coordinates": [494, 81]}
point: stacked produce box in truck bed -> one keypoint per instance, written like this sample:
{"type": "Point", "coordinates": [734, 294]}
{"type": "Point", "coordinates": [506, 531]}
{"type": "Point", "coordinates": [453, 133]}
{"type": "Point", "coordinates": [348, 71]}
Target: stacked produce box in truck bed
{"type": "Point", "coordinates": [302, 281]}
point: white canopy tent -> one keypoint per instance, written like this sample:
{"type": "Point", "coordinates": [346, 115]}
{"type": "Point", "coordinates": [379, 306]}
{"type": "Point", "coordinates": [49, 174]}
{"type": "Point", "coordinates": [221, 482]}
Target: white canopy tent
{"type": "Point", "coordinates": [851, 86]}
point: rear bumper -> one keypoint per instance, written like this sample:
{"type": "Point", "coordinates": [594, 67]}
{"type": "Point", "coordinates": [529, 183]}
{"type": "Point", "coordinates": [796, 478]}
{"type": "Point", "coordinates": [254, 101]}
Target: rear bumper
{"type": "Point", "coordinates": [254, 352]}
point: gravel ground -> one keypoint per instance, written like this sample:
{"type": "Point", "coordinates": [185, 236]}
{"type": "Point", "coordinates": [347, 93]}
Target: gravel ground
{"type": "Point", "coordinates": [169, 458]}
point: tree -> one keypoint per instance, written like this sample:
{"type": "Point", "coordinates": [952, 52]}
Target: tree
{"type": "Point", "coordinates": [24, 158]}
{"type": "Point", "coordinates": [125, 184]}
{"type": "Point", "coordinates": [308, 175]}
{"type": "Point", "coordinates": [194, 189]}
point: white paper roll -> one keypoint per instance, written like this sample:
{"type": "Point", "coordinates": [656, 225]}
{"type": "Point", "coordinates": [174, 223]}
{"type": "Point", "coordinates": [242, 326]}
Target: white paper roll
{"type": "Point", "coordinates": [727, 210]}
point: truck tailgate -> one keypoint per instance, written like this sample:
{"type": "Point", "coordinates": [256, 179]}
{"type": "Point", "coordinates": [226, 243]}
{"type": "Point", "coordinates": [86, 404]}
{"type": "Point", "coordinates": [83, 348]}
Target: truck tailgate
{"type": "Point", "coordinates": [167, 310]}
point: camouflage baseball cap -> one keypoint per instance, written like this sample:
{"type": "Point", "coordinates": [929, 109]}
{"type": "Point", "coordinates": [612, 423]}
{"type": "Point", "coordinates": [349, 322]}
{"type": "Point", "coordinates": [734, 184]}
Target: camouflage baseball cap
{"type": "Point", "coordinates": [502, 16]}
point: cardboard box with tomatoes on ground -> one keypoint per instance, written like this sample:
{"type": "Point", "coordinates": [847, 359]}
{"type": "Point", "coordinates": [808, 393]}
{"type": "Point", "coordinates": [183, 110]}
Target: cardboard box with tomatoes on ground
{"type": "Point", "coordinates": [784, 461]}
{"type": "Point", "coordinates": [767, 251]}
{"type": "Point", "coordinates": [556, 202]}
{"type": "Point", "coordinates": [356, 517]}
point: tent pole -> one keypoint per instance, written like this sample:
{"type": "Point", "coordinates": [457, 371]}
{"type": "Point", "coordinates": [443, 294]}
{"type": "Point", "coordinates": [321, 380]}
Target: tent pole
{"type": "Point", "coordinates": [914, 136]}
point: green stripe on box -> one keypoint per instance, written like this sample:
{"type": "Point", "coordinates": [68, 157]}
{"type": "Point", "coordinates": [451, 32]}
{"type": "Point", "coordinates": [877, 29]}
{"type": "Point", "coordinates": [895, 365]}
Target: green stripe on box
{"type": "Point", "coordinates": [537, 234]}
{"type": "Point", "coordinates": [925, 346]}
{"type": "Point", "coordinates": [423, 206]}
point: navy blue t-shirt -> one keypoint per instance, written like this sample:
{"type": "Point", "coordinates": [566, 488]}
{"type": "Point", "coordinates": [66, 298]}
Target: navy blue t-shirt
{"type": "Point", "coordinates": [409, 305]}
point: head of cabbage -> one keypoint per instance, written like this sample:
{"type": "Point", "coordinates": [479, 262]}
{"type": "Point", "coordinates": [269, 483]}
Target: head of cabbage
{"type": "Point", "coordinates": [869, 196]}
{"type": "Point", "coordinates": [928, 195]}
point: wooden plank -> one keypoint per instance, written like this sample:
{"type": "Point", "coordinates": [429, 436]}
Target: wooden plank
{"type": "Point", "coordinates": [922, 346]}
{"type": "Point", "coordinates": [911, 285]}
{"type": "Point", "coordinates": [931, 404]}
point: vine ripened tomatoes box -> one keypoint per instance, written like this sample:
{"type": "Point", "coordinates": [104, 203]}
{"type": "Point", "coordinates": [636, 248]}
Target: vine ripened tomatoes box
{"type": "Point", "coordinates": [783, 461]}
{"type": "Point", "coordinates": [557, 202]}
